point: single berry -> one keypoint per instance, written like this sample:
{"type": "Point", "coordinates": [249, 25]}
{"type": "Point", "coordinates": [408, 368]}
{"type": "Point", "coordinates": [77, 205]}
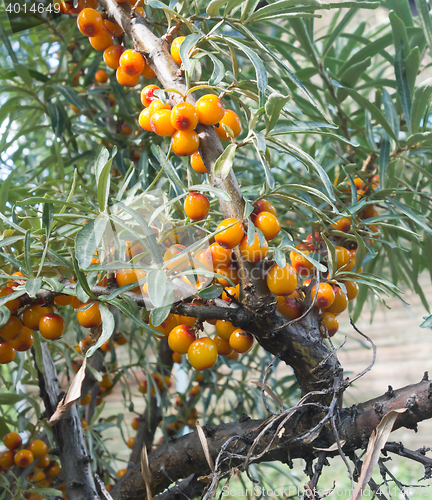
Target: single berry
{"type": "Point", "coordinates": [264, 206]}
{"type": "Point", "coordinates": [131, 62]}
{"type": "Point", "coordinates": [221, 256]}
{"type": "Point", "coordinates": [282, 280]}
{"type": "Point", "coordinates": [115, 30]}
{"type": "Point", "coordinates": [38, 448]}
{"type": "Point", "coordinates": [289, 307]}
{"type": "Point", "coordinates": [147, 72]}
{"type": "Point", "coordinates": [23, 458]}
{"type": "Point", "coordinates": [112, 54]}
{"type": "Point", "coordinates": [224, 329]}
{"type": "Point", "coordinates": [223, 346]}
{"type": "Point", "coordinates": [184, 143]}
{"type": "Point", "coordinates": [325, 295]}
{"type": "Point", "coordinates": [255, 252]}
{"type": "Point", "coordinates": [158, 105]}
{"type": "Point", "coordinates": [343, 224]}
{"type": "Point", "coordinates": [51, 326]}
{"type": "Point", "coordinates": [232, 120]}
{"type": "Point", "coordinates": [160, 122]}
{"type": "Point", "coordinates": [197, 163]}
{"type": "Point", "coordinates": [7, 459]}
{"type": "Point", "coordinates": [102, 40]}
{"type": "Point", "coordinates": [241, 341]}
{"type": "Point", "coordinates": [167, 325]}
{"type": "Point", "coordinates": [24, 341]}
{"type": "Point", "coordinates": [231, 292]}
{"type": "Point", "coordinates": [329, 325]}
{"type": "Point", "coordinates": [147, 94]}
{"type": "Point", "coordinates": [130, 442]}
{"type": "Point", "coordinates": [121, 473]}
{"type": "Point", "coordinates": [12, 440]}
{"type": "Point", "coordinates": [135, 423]}
{"type": "Point", "coordinates": [90, 317]}
{"type": "Point", "coordinates": [101, 76]}
{"type": "Point", "coordinates": [175, 49]}
{"type": "Point", "coordinates": [144, 120]}
{"type": "Point", "coordinates": [32, 316]}
{"type": "Point", "coordinates": [230, 232]}
{"type": "Point", "coordinates": [230, 272]}
{"type": "Point", "coordinates": [125, 79]}
{"type": "Point", "coordinates": [343, 258]}
{"type": "Point", "coordinates": [352, 289]}
{"type": "Point", "coordinates": [176, 357]}
{"type": "Point", "coordinates": [268, 224]}
{"type": "Point", "coordinates": [202, 353]}
{"type": "Point", "coordinates": [340, 302]}
{"type": "Point", "coordinates": [178, 264]}
{"type": "Point", "coordinates": [90, 22]}
{"type": "Point", "coordinates": [210, 109]}
{"type": "Point", "coordinates": [12, 305]}
{"type": "Point", "coordinates": [128, 276]}
{"type": "Point", "coordinates": [180, 338]}
{"type": "Point", "coordinates": [301, 265]}
{"type": "Point", "coordinates": [196, 206]}
{"type": "Point", "coordinates": [125, 129]}
{"type": "Point", "coordinates": [184, 116]}
{"type": "Point", "coordinates": [12, 329]}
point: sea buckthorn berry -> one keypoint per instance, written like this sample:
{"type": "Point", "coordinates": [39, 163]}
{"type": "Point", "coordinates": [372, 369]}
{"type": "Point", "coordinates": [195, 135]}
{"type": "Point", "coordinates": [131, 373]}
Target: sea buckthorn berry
{"type": "Point", "coordinates": [131, 62]}
{"type": "Point", "coordinates": [106, 382]}
{"type": "Point", "coordinates": [220, 256]}
{"type": "Point", "coordinates": [147, 72]}
{"type": "Point", "coordinates": [167, 325]}
{"type": "Point", "coordinates": [171, 253]}
{"type": "Point", "coordinates": [160, 122]}
{"type": "Point", "coordinates": [24, 341]}
{"type": "Point", "coordinates": [54, 469]}
{"type": "Point", "coordinates": [70, 9]}
{"type": "Point", "coordinates": [121, 472]}
{"type": "Point", "coordinates": [210, 109]}
{"type": "Point", "coordinates": [325, 295]}
{"type": "Point", "coordinates": [340, 302]}
{"type": "Point", "coordinates": [130, 442]}
{"type": "Point", "coordinates": [13, 304]}
{"type": "Point", "coordinates": [230, 292]}
{"type": "Point", "coordinates": [357, 182]}
{"type": "Point", "coordinates": [369, 212]}
{"type": "Point", "coordinates": [112, 54]}
{"type": "Point", "coordinates": [184, 116]}
{"type": "Point", "coordinates": [84, 423]}
{"type": "Point", "coordinates": [255, 252]}
{"type": "Point", "coordinates": [202, 353]}
{"type": "Point", "coordinates": [329, 325]}
{"type": "Point", "coordinates": [144, 120]}
{"type": "Point", "coordinates": [268, 224]}
{"type": "Point", "coordinates": [84, 401]}
{"type": "Point", "coordinates": [125, 79]}
{"type": "Point", "coordinates": [90, 317]}
{"type": "Point", "coordinates": [12, 440]}
{"type": "Point", "coordinates": [185, 142]}
{"type": "Point", "coordinates": [241, 341]}
{"type": "Point", "coordinates": [224, 329]}
{"type": "Point", "coordinates": [158, 105]}
{"type": "Point", "coordinates": [264, 206]}
{"type": "Point", "coordinates": [125, 129]}
{"type": "Point", "coordinates": [175, 49]}
{"type": "Point", "coordinates": [32, 316]}
{"type": "Point", "coordinates": [101, 76]}
{"type": "Point", "coordinates": [135, 423]}
{"type": "Point", "coordinates": [343, 224]}
{"type": "Point", "coordinates": [102, 40]}
{"type": "Point", "coordinates": [12, 329]}
{"type": "Point", "coordinates": [51, 326]}
{"type": "Point", "coordinates": [196, 206]}
{"type": "Point", "coordinates": [232, 120]}
{"type": "Point", "coordinates": [23, 458]}
{"type": "Point", "coordinates": [289, 307]}
{"type": "Point", "coordinates": [7, 459]}
{"type": "Point", "coordinates": [115, 30]}
{"type": "Point", "coordinates": [176, 357]}
{"type": "Point", "coordinates": [43, 461]}
{"type": "Point", "coordinates": [343, 258]}
{"type": "Point", "coordinates": [12, 283]}
{"type": "Point", "coordinates": [230, 233]}
{"type": "Point", "coordinates": [63, 300]}
{"type": "Point", "coordinates": [90, 22]}
{"type": "Point", "coordinates": [147, 94]}
{"type": "Point", "coordinates": [197, 163]}
{"type": "Point", "coordinates": [180, 338]}
{"type": "Point", "coordinates": [282, 280]}
{"type": "Point", "coordinates": [301, 265]}
{"type": "Point", "coordinates": [229, 272]}
{"type": "Point", "coordinates": [223, 346]}
{"type": "Point", "coordinates": [38, 448]}
{"type": "Point", "coordinates": [352, 289]}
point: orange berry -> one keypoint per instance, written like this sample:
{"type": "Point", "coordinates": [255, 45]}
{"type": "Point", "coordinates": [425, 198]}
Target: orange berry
{"type": "Point", "coordinates": [176, 357]}
{"type": "Point", "coordinates": [172, 252]}
{"type": "Point", "coordinates": [147, 72]}
{"type": "Point", "coordinates": [343, 258]}
{"type": "Point", "coordinates": [63, 300]}
{"type": "Point", "coordinates": [233, 355]}
{"type": "Point", "coordinates": [135, 423]}
{"type": "Point", "coordinates": [340, 302]}
{"type": "Point", "coordinates": [158, 105]}
{"type": "Point", "coordinates": [89, 317]}
{"type": "Point", "coordinates": [184, 116]}
{"type": "Point", "coordinates": [289, 307]}
{"type": "Point", "coordinates": [232, 121]}
{"type": "Point", "coordinates": [54, 470]}
{"type": "Point", "coordinates": [84, 423]}
{"type": "Point", "coordinates": [264, 206]}
{"type": "Point", "coordinates": [106, 382]}
{"type": "Point", "coordinates": [282, 280]}
{"type": "Point", "coordinates": [90, 22]}
{"type": "Point", "coordinates": [180, 338]}
{"type": "Point", "coordinates": [84, 401]}
{"type": "Point", "coordinates": [70, 9]}
{"type": "Point", "coordinates": [39, 476]}
{"type": "Point", "coordinates": [101, 76]}
{"type": "Point", "coordinates": [230, 272]}
{"type": "Point", "coordinates": [301, 265]}
{"type": "Point", "coordinates": [329, 324]}
{"type": "Point", "coordinates": [125, 79]}
{"type": "Point", "coordinates": [223, 346]}
{"type": "Point", "coordinates": [325, 295]}
{"type": "Point", "coordinates": [112, 54]}
{"type": "Point", "coordinates": [115, 30]}
{"type": "Point", "coordinates": [175, 49]}
{"type": "Point", "coordinates": [12, 440]}
{"type": "Point", "coordinates": [241, 341]}
{"type": "Point", "coordinates": [224, 329]}
{"type": "Point", "coordinates": [231, 291]}
{"type": "Point", "coordinates": [12, 305]}
{"type": "Point", "coordinates": [184, 143]}
{"type": "Point", "coordinates": [102, 40]}
{"type": "Point", "coordinates": [369, 212]}
{"type": "Point", "coordinates": [51, 326]}
{"type": "Point", "coordinates": [43, 461]}
{"type": "Point", "coordinates": [210, 109]}
{"type": "Point", "coordinates": [197, 163]}
{"type": "Point", "coordinates": [144, 120]}
{"type": "Point", "coordinates": [343, 224]}
{"type": "Point", "coordinates": [352, 289]}
{"type": "Point", "coordinates": [125, 129]}
{"type": "Point", "coordinates": [220, 256]}
{"type": "Point", "coordinates": [12, 283]}
{"type": "Point", "coordinates": [147, 94]}
{"type": "Point", "coordinates": [268, 224]}
{"type": "Point", "coordinates": [7, 459]}
{"type": "Point", "coordinates": [131, 62]}
{"type": "Point", "coordinates": [32, 316]}
{"type": "Point", "coordinates": [23, 458]}
{"type": "Point", "coordinates": [196, 206]}
{"type": "Point", "coordinates": [38, 448]}
{"type": "Point", "coordinates": [202, 353]}
{"type": "Point", "coordinates": [166, 326]}
{"type": "Point", "coordinates": [255, 252]}
{"type": "Point", "coordinates": [24, 341]}
{"type": "Point", "coordinates": [230, 233]}
{"type": "Point", "coordinates": [160, 122]}
{"type": "Point", "coordinates": [121, 473]}
{"type": "Point", "coordinates": [12, 329]}
{"type": "Point", "coordinates": [130, 442]}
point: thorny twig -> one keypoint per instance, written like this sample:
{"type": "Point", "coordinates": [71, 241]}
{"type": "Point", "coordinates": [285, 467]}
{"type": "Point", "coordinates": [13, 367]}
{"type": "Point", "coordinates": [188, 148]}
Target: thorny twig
{"type": "Point", "coordinates": [369, 368]}
{"type": "Point", "coordinates": [263, 383]}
